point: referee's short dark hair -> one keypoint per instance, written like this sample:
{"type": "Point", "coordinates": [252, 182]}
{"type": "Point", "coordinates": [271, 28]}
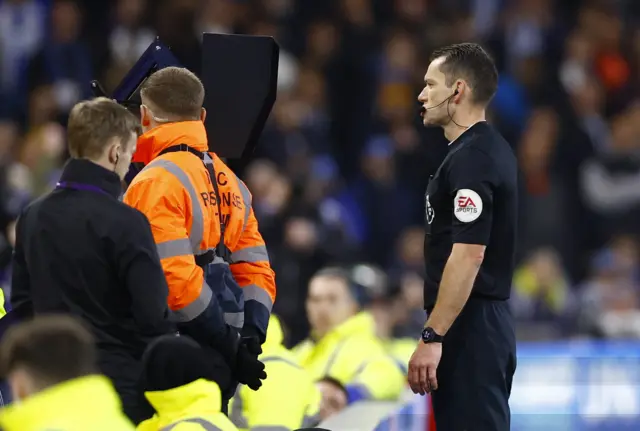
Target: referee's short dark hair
{"type": "Point", "coordinates": [51, 349]}
{"type": "Point", "coordinates": [470, 62]}
{"type": "Point", "coordinates": [94, 123]}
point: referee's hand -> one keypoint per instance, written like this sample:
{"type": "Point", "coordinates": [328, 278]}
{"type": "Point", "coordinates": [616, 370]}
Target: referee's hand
{"type": "Point", "coordinates": [423, 366]}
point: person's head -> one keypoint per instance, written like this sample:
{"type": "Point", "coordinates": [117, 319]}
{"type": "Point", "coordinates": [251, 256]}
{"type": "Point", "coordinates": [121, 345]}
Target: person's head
{"type": "Point", "coordinates": [104, 132]}
{"type": "Point", "coordinates": [334, 397]}
{"type": "Point", "coordinates": [170, 95]}
{"type": "Point", "coordinates": [330, 300]}
{"type": "Point", "coordinates": [173, 361]}
{"type": "Point", "coordinates": [461, 76]}
{"type": "Point", "coordinates": [66, 19]}
{"type": "Point", "coordinates": [44, 352]}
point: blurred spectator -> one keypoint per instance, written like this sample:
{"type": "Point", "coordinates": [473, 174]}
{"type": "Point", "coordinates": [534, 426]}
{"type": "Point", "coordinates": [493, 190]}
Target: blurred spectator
{"type": "Point", "coordinates": [22, 30]}
{"type": "Point", "coordinates": [542, 298]}
{"type": "Point", "coordinates": [610, 180]}
{"type": "Point", "coordinates": [409, 252]}
{"type": "Point", "coordinates": [542, 202]}
{"type": "Point", "coordinates": [396, 98]}
{"type": "Point", "coordinates": [610, 298]}
{"type": "Point", "coordinates": [51, 365]}
{"type": "Point", "coordinates": [218, 16]}
{"type": "Point", "coordinates": [388, 308]}
{"type": "Point", "coordinates": [413, 318]}
{"type": "Point", "coordinates": [343, 345]}
{"type": "Point", "coordinates": [64, 61]}
{"type": "Point", "coordinates": [129, 38]}
{"type": "Point", "coordinates": [385, 201]}
{"type": "Point", "coordinates": [287, 63]}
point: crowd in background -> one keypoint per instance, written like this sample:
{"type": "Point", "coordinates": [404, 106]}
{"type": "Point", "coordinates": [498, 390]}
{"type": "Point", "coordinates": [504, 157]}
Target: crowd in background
{"type": "Point", "coordinates": [341, 171]}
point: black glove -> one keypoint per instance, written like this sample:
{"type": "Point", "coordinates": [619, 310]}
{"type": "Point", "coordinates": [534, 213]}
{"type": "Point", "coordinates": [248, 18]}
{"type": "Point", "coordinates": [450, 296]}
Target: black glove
{"type": "Point", "coordinates": [248, 369]}
{"type": "Point", "coordinates": [251, 339]}
{"type": "Point", "coordinates": [253, 345]}
{"type": "Point", "coordinates": [226, 343]}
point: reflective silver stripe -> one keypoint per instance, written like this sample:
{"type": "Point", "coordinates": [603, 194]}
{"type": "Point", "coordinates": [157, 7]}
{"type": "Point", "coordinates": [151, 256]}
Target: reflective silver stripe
{"type": "Point", "coordinates": [197, 224]}
{"type": "Point", "coordinates": [196, 308]}
{"type": "Point", "coordinates": [250, 255]}
{"type": "Point", "coordinates": [333, 357]}
{"type": "Point", "coordinates": [246, 198]}
{"type": "Point", "coordinates": [253, 292]}
{"type": "Point", "coordinates": [236, 415]}
{"type": "Point", "coordinates": [174, 247]}
{"type": "Point", "coordinates": [208, 160]}
{"type": "Point", "coordinates": [208, 426]}
{"type": "Point", "coordinates": [361, 369]}
{"type": "Point", "coordinates": [217, 260]}
{"type": "Point", "coordinates": [234, 319]}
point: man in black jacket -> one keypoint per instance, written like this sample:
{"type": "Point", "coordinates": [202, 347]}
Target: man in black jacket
{"type": "Point", "coordinates": [79, 250]}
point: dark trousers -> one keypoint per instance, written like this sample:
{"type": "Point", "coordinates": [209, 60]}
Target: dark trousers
{"type": "Point", "coordinates": [135, 406]}
{"type": "Point", "coordinates": [476, 370]}
{"type": "Point", "coordinates": [125, 374]}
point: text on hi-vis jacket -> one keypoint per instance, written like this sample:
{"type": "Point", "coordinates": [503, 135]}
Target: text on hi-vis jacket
{"type": "Point", "coordinates": [174, 191]}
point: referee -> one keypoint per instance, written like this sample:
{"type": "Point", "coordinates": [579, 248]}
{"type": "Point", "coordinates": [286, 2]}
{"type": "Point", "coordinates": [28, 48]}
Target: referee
{"type": "Point", "coordinates": [466, 357]}
{"type": "Point", "coordinates": [81, 251]}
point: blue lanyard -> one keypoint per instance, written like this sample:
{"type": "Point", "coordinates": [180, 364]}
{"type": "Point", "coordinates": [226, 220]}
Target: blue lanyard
{"type": "Point", "coordinates": [78, 186]}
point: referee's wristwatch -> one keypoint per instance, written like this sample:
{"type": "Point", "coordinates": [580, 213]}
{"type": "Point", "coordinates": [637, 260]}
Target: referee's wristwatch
{"type": "Point", "coordinates": [431, 336]}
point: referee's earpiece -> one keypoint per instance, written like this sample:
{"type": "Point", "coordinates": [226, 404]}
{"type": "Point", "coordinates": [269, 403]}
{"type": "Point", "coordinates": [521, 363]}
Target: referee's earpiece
{"type": "Point", "coordinates": [455, 92]}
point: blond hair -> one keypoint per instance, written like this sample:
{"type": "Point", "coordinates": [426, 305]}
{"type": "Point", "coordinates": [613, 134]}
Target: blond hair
{"type": "Point", "coordinates": [93, 124]}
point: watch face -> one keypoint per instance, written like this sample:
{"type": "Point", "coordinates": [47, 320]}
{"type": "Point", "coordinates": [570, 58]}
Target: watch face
{"type": "Point", "coordinates": [427, 335]}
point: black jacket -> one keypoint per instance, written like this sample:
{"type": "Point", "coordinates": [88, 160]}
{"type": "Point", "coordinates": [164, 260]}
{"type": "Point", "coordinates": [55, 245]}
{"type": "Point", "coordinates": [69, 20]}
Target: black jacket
{"type": "Point", "coordinates": [82, 251]}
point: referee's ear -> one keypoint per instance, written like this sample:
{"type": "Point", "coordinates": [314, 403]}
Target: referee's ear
{"type": "Point", "coordinates": [460, 89]}
{"type": "Point", "coordinates": [203, 114]}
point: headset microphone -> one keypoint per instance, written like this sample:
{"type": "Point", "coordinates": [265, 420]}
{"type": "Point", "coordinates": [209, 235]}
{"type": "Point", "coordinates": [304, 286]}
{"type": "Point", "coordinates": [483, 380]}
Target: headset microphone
{"type": "Point", "coordinates": [423, 110]}
{"type": "Point", "coordinates": [441, 103]}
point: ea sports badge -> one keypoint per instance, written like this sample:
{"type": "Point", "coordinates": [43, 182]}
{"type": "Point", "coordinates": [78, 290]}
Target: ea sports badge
{"type": "Point", "coordinates": [467, 205]}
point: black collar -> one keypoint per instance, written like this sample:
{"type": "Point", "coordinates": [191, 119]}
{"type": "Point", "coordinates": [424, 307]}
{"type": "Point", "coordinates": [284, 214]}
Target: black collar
{"type": "Point", "coordinates": [473, 131]}
{"type": "Point", "coordinates": [83, 171]}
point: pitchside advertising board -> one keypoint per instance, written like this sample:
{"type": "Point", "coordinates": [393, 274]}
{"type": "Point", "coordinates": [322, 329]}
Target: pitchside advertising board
{"type": "Point", "coordinates": [560, 386]}
{"type": "Point", "coordinates": [577, 386]}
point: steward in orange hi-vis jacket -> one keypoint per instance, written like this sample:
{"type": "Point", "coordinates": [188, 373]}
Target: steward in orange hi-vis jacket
{"type": "Point", "coordinates": [214, 258]}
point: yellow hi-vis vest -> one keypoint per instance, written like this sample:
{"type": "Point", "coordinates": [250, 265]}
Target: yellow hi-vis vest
{"type": "Point", "coordinates": [86, 403]}
{"type": "Point", "coordinates": [288, 398]}
{"type": "Point", "coordinates": [192, 407]}
{"type": "Point", "coordinates": [353, 355]}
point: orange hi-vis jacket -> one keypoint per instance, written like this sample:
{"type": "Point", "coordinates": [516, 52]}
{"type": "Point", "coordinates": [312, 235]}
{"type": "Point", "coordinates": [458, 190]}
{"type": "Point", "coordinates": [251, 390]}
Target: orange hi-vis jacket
{"type": "Point", "coordinates": [175, 193]}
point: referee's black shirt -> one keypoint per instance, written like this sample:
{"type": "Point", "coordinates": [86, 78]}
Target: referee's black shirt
{"type": "Point", "coordinates": [472, 199]}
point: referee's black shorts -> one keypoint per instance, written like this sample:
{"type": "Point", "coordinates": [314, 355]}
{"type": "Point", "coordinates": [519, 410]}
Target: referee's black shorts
{"type": "Point", "coordinates": [476, 369]}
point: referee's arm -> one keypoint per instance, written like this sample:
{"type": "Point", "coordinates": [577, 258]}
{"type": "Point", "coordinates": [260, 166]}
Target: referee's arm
{"type": "Point", "coordinates": [471, 180]}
